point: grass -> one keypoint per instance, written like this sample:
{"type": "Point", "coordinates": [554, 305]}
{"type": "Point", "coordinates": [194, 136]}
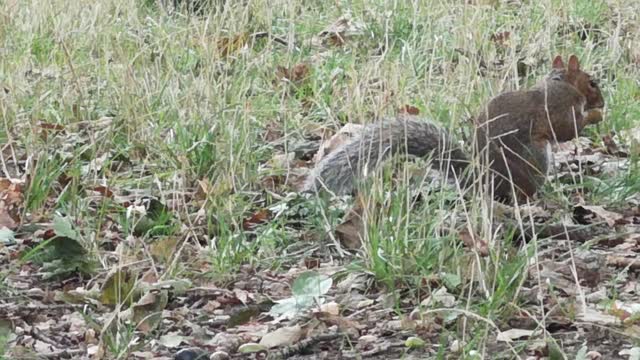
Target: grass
{"type": "Point", "coordinates": [148, 101]}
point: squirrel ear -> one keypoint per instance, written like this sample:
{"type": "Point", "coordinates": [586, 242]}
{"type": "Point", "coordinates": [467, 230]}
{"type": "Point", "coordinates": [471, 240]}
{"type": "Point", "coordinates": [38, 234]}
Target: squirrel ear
{"type": "Point", "coordinates": [574, 64]}
{"type": "Point", "coordinates": [558, 63]}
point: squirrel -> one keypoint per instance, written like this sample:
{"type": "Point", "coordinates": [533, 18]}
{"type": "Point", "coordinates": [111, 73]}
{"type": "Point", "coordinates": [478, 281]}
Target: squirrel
{"type": "Point", "coordinates": [513, 137]}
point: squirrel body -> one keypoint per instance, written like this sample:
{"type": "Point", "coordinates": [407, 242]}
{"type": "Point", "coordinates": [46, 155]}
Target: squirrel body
{"type": "Point", "coordinates": [513, 136]}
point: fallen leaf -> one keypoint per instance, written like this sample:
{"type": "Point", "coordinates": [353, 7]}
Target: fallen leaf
{"type": "Point", "coordinates": [282, 337]}
{"type": "Point", "coordinates": [474, 242]}
{"type": "Point", "coordinates": [117, 287]}
{"type": "Point", "coordinates": [295, 75]}
{"type": "Point", "coordinates": [594, 316]}
{"type": "Point", "coordinates": [259, 217]}
{"type": "Point", "coordinates": [514, 334]}
{"type": "Point", "coordinates": [611, 218]}
{"type": "Point", "coordinates": [103, 190]}
{"type": "Point", "coordinates": [230, 44]}
{"type": "Point", "coordinates": [49, 128]}
{"type": "Point", "coordinates": [501, 38]}
{"type": "Point", "coordinates": [343, 136]}
{"type": "Point", "coordinates": [331, 308]}
{"type": "Point", "coordinates": [350, 231]}
{"type": "Point", "coordinates": [612, 148]}
{"type": "Point", "coordinates": [311, 262]}
{"type": "Point", "coordinates": [440, 297]}
{"type": "Point", "coordinates": [172, 339]}
{"type": "Point", "coordinates": [340, 31]}
{"type": "Point", "coordinates": [414, 342]}
{"type": "Point", "coordinates": [250, 348]}
{"type": "Point", "coordinates": [409, 110]}
{"type": "Point", "coordinates": [11, 202]}
{"type": "Point", "coordinates": [147, 312]}
{"type": "Point", "coordinates": [6, 221]}
{"type": "Point", "coordinates": [632, 263]}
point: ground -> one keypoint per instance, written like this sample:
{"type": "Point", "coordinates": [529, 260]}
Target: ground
{"type": "Point", "coordinates": [151, 158]}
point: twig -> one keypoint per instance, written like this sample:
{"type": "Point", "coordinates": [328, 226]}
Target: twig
{"type": "Point", "coordinates": [62, 354]}
{"type": "Point", "coordinates": [382, 348]}
{"type": "Point", "coordinates": [303, 344]}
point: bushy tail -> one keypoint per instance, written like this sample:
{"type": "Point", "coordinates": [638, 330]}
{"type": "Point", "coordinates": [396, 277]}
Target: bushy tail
{"type": "Point", "coordinates": [338, 171]}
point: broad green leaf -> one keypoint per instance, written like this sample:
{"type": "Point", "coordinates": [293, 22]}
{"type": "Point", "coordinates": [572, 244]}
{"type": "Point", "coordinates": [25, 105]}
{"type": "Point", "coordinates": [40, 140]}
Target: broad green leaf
{"type": "Point", "coordinates": [7, 236]}
{"type": "Point", "coordinates": [62, 227]}
{"type": "Point", "coordinates": [311, 283]}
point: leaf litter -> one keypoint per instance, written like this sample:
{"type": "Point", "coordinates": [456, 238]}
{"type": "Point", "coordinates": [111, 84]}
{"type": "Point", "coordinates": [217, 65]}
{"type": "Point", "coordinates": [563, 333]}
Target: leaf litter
{"type": "Point", "coordinates": [312, 305]}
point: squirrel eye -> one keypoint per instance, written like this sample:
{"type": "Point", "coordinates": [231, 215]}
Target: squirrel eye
{"type": "Point", "coordinates": [593, 83]}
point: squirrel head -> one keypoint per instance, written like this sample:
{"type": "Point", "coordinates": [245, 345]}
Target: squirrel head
{"type": "Point", "coordinates": [579, 79]}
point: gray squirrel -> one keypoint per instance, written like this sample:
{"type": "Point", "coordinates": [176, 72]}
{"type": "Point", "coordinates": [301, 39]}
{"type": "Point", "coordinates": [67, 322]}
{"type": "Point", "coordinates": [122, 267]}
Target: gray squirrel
{"type": "Point", "coordinates": [513, 135]}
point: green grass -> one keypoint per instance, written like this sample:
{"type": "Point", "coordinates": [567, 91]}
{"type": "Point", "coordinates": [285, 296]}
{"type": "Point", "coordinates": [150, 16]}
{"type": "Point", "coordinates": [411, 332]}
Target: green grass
{"type": "Point", "coordinates": [174, 112]}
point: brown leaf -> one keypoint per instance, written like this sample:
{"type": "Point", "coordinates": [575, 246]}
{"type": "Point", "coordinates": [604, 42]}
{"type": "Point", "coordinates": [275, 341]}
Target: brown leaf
{"type": "Point", "coordinates": [231, 44]}
{"type": "Point", "coordinates": [345, 325]}
{"type": "Point", "coordinates": [474, 242]}
{"type": "Point", "coordinates": [351, 230]}
{"type": "Point", "coordinates": [11, 201]}
{"type": "Point", "coordinates": [282, 337]}
{"type": "Point", "coordinates": [632, 263]}
{"type": "Point", "coordinates": [501, 38]}
{"type": "Point", "coordinates": [147, 312]}
{"type": "Point", "coordinates": [6, 220]}
{"type": "Point", "coordinates": [410, 110]}
{"type": "Point", "coordinates": [48, 128]}
{"type": "Point", "coordinates": [103, 190]}
{"type": "Point", "coordinates": [343, 136]}
{"type": "Point", "coordinates": [341, 31]}
{"type": "Point", "coordinates": [296, 75]}
{"type": "Point", "coordinates": [311, 262]}
{"type": "Point", "coordinates": [272, 132]}
{"type": "Point", "coordinates": [583, 212]}
{"type": "Point", "coordinates": [612, 147]}
{"type": "Point", "coordinates": [259, 217]}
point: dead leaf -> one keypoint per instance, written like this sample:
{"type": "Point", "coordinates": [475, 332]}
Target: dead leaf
{"type": "Point", "coordinates": [6, 220]}
{"type": "Point", "coordinates": [345, 325]}
{"type": "Point", "coordinates": [311, 262]}
{"type": "Point", "coordinates": [172, 339]}
{"type": "Point", "coordinates": [584, 213]}
{"type": "Point", "coordinates": [230, 44]}
{"type": "Point", "coordinates": [501, 38]}
{"type": "Point", "coordinates": [514, 334]}
{"type": "Point", "coordinates": [147, 312]}
{"type": "Point", "coordinates": [48, 128]}
{"type": "Point", "coordinates": [409, 110]}
{"type": "Point", "coordinates": [330, 308]}
{"type": "Point", "coordinates": [282, 337]}
{"type": "Point", "coordinates": [474, 242]}
{"type": "Point", "coordinates": [632, 263]}
{"type": "Point", "coordinates": [340, 31]}
{"type": "Point", "coordinates": [295, 75]}
{"type": "Point", "coordinates": [346, 133]}
{"type": "Point", "coordinates": [351, 230]}
{"type": "Point", "coordinates": [259, 217]}
{"type": "Point", "coordinates": [11, 202]}
{"type": "Point", "coordinates": [594, 316]}
{"type": "Point", "coordinates": [103, 190]}
{"type": "Point", "coordinates": [273, 132]}
{"type": "Point", "coordinates": [612, 147]}
{"type": "Point", "coordinates": [117, 287]}
{"type": "Point", "coordinates": [164, 249]}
